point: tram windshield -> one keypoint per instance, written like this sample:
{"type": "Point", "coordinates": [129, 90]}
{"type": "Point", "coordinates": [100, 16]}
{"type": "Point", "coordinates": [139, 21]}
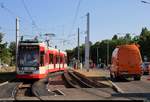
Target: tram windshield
{"type": "Point", "coordinates": [28, 56]}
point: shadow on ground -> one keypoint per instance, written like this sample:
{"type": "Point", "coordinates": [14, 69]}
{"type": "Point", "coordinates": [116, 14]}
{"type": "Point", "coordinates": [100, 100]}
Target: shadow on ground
{"type": "Point", "coordinates": [120, 79]}
{"type": "Point", "coordinates": [7, 76]}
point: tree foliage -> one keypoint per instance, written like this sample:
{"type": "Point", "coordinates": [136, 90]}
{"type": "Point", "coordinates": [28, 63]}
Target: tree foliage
{"type": "Point", "coordinates": [5, 55]}
{"type": "Point", "coordinates": [12, 48]}
{"type": "Point", "coordinates": [115, 37]}
{"type": "Point", "coordinates": [144, 42]}
{"type": "Point", "coordinates": [97, 50]}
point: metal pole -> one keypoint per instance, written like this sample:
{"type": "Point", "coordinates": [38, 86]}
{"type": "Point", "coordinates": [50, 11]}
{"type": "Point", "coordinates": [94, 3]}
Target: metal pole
{"type": "Point", "coordinates": [17, 35]}
{"type": "Point", "coordinates": [78, 49]}
{"type": "Point", "coordinates": [97, 56]}
{"type": "Point", "coordinates": [85, 54]}
{"type": "Point", "coordinates": [107, 53]}
{"type": "Point", "coordinates": [87, 49]}
{"type": "Point", "coordinates": [59, 58]}
{"type": "Point", "coordinates": [78, 46]}
{"type": "Point", "coordinates": [0, 62]}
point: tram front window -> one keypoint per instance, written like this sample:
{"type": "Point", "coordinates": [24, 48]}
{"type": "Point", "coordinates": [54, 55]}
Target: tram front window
{"type": "Point", "coordinates": [28, 56]}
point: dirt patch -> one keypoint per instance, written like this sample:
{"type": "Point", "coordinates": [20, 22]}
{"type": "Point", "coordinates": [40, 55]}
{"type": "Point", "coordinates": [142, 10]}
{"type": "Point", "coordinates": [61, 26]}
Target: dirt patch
{"type": "Point", "coordinates": [7, 69]}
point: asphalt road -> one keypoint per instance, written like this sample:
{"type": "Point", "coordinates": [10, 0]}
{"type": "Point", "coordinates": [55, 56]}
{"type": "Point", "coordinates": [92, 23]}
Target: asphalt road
{"type": "Point", "coordinates": [133, 89]}
{"type": "Point", "coordinates": [6, 91]}
{"type": "Point", "coordinates": [131, 86]}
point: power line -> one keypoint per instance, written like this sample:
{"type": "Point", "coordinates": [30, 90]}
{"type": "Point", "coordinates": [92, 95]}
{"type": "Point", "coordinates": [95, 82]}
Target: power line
{"type": "Point", "coordinates": [12, 14]}
{"type": "Point", "coordinates": [73, 24]}
{"type": "Point", "coordinates": [8, 10]}
{"type": "Point", "coordinates": [33, 22]}
{"type": "Point", "coordinates": [75, 17]}
{"type": "Point", "coordinates": [22, 19]}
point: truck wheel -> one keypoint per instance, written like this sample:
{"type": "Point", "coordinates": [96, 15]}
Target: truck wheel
{"type": "Point", "coordinates": [137, 77]}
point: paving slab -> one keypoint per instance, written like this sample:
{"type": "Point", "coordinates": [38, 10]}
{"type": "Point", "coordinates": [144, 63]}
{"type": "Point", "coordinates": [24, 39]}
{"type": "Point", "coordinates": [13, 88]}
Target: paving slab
{"type": "Point", "coordinates": [92, 72]}
{"type": "Point", "coordinates": [81, 94]}
{"type": "Point", "coordinates": [99, 75]}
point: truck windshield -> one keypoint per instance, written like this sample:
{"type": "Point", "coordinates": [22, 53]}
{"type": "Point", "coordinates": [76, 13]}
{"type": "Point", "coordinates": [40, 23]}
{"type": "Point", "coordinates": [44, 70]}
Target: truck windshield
{"type": "Point", "coordinates": [28, 56]}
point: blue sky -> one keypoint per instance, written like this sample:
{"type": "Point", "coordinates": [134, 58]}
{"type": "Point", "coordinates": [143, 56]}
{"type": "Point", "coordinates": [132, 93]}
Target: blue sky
{"type": "Point", "coordinates": [107, 17]}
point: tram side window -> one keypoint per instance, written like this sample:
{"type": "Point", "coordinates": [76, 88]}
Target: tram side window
{"type": "Point", "coordinates": [42, 58]}
{"type": "Point", "coordinates": [46, 58]}
{"type": "Point", "coordinates": [61, 59]}
{"type": "Point", "coordinates": [51, 59]}
{"type": "Point", "coordinates": [57, 59]}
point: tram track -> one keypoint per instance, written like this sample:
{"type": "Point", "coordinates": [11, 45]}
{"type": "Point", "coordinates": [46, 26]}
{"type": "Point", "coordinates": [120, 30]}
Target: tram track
{"type": "Point", "coordinates": [66, 80]}
{"type": "Point", "coordinates": [69, 80]}
{"type": "Point", "coordinates": [57, 84]}
{"type": "Point", "coordinates": [82, 81]}
{"type": "Point", "coordinates": [18, 89]}
{"type": "Point", "coordinates": [31, 90]}
{"type": "Point", "coordinates": [86, 85]}
{"type": "Point", "coordinates": [24, 90]}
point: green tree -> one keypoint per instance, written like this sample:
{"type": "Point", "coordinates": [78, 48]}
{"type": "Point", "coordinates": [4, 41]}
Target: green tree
{"type": "Point", "coordinates": [1, 36]}
{"type": "Point", "coordinates": [115, 37]}
{"type": "Point", "coordinates": [135, 39]}
{"type": "Point", "coordinates": [12, 48]}
{"type": "Point", "coordinates": [144, 42]}
{"type": "Point", "coordinates": [128, 36]}
{"type": "Point", "coordinates": [4, 51]}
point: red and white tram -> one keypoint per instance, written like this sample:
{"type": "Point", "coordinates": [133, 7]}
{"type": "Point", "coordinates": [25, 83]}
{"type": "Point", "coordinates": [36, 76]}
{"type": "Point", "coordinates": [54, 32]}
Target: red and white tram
{"type": "Point", "coordinates": [36, 60]}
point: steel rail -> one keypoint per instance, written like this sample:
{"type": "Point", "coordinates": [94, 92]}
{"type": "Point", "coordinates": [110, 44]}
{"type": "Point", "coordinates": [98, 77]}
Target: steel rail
{"type": "Point", "coordinates": [71, 82]}
{"type": "Point", "coordinates": [15, 91]}
{"type": "Point", "coordinates": [79, 80]}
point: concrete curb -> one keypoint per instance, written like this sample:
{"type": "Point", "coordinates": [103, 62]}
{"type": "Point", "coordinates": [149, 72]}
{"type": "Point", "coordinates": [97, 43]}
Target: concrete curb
{"type": "Point", "coordinates": [7, 99]}
{"type": "Point", "coordinates": [6, 82]}
{"type": "Point", "coordinates": [115, 87]}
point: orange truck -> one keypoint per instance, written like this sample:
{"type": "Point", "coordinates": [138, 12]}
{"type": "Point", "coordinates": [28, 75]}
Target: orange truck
{"type": "Point", "coordinates": [126, 62]}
